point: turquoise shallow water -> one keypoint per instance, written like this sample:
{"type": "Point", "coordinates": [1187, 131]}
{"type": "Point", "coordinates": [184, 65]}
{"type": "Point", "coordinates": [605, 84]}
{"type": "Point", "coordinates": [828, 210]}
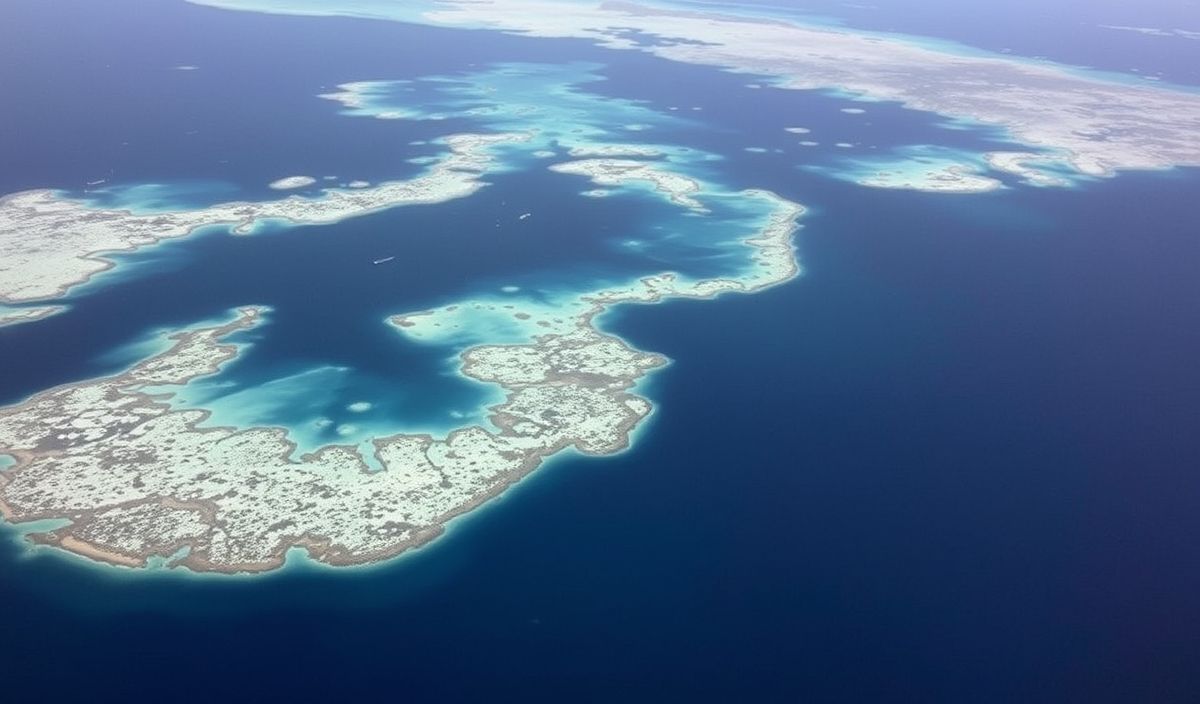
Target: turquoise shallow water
{"type": "Point", "coordinates": [952, 461]}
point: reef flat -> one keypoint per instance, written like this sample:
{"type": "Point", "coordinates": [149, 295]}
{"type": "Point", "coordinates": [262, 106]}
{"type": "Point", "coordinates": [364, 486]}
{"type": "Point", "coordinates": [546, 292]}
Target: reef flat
{"type": "Point", "coordinates": [1090, 123]}
{"type": "Point", "coordinates": [14, 316]}
{"type": "Point", "coordinates": [1022, 164]}
{"type": "Point", "coordinates": [142, 472]}
{"type": "Point", "coordinates": [623, 172]}
{"type": "Point", "coordinates": [49, 243]}
{"type": "Point", "coordinates": [934, 170]}
{"type": "Point", "coordinates": [932, 179]}
{"type": "Point", "coordinates": [139, 480]}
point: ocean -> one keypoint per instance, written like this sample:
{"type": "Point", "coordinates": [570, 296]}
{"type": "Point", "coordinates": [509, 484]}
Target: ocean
{"type": "Point", "coordinates": [953, 461]}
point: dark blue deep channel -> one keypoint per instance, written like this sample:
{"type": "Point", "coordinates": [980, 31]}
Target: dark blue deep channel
{"type": "Point", "coordinates": [956, 461]}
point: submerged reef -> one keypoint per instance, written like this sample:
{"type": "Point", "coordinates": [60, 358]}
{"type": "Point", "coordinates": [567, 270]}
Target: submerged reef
{"type": "Point", "coordinates": [930, 169]}
{"type": "Point", "coordinates": [135, 475]}
{"type": "Point", "coordinates": [49, 243]}
{"type": "Point", "coordinates": [1094, 123]}
{"type": "Point", "coordinates": [137, 479]}
{"type": "Point", "coordinates": [132, 477]}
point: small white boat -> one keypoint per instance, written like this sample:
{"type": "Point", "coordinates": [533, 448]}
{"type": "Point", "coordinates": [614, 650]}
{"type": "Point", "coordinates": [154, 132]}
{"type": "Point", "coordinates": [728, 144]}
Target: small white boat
{"type": "Point", "coordinates": [524, 215]}
{"type": "Point", "coordinates": [385, 260]}
{"type": "Point", "coordinates": [97, 183]}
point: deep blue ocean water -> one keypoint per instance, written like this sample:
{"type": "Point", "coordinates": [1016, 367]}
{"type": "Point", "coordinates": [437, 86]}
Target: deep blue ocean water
{"type": "Point", "coordinates": [955, 461]}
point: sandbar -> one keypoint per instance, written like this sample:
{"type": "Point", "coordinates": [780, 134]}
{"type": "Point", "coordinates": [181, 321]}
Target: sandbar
{"type": "Point", "coordinates": [291, 182]}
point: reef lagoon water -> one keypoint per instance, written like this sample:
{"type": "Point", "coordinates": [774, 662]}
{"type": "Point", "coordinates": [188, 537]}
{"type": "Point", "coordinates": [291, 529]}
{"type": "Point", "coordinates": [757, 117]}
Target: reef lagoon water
{"type": "Point", "coordinates": [953, 460]}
